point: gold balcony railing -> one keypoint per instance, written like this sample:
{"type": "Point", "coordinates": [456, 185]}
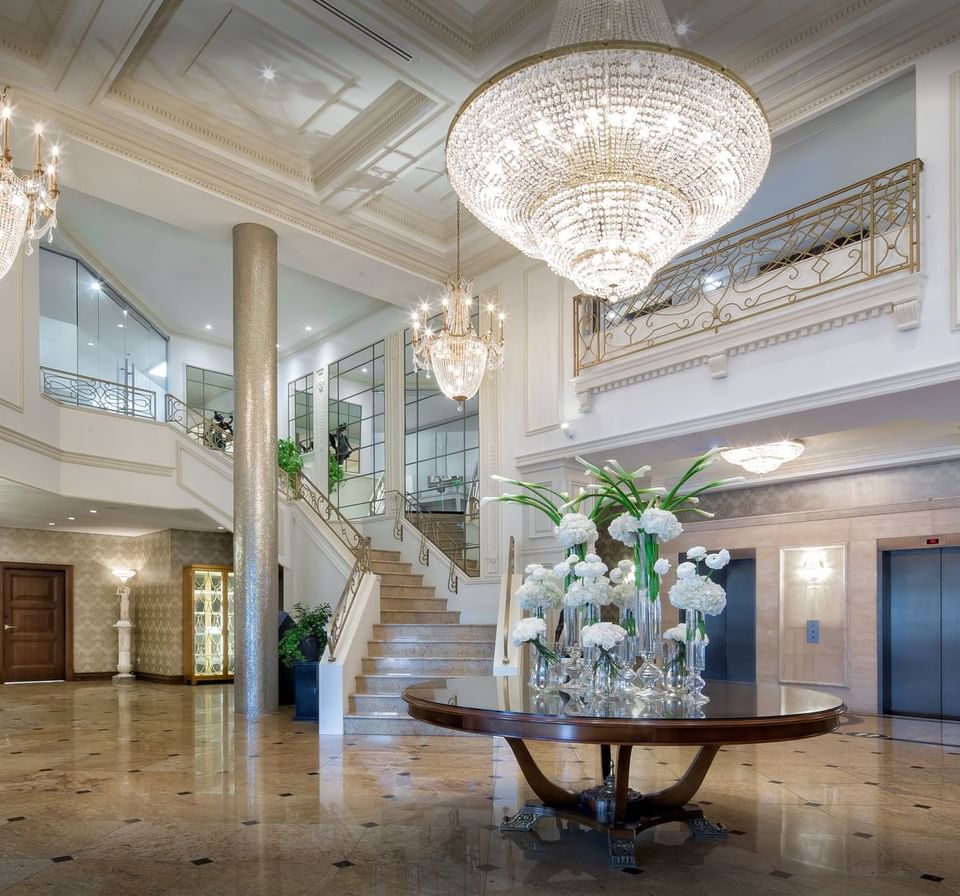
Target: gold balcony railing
{"type": "Point", "coordinates": [867, 230]}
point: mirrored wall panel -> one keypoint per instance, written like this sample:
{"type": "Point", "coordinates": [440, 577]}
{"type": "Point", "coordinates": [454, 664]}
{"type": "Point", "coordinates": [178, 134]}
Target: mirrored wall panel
{"type": "Point", "coordinates": [356, 426]}
{"type": "Point", "coordinates": [300, 413]}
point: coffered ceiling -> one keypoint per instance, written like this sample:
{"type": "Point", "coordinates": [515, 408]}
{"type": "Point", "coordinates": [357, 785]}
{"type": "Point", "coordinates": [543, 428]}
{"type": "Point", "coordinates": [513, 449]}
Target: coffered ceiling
{"type": "Point", "coordinates": [328, 117]}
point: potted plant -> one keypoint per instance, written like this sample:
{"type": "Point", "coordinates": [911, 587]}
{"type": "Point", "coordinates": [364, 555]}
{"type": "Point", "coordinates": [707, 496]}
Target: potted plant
{"type": "Point", "coordinates": [335, 472]}
{"type": "Point", "coordinates": [289, 460]}
{"type": "Point", "coordinates": [306, 640]}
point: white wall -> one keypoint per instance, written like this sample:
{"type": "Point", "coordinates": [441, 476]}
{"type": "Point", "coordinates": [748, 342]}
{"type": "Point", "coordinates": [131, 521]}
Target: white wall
{"type": "Point", "coordinates": [184, 351]}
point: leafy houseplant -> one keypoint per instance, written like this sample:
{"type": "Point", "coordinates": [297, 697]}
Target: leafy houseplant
{"type": "Point", "coordinates": [289, 460]}
{"type": "Point", "coordinates": [335, 472]}
{"type": "Point", "coordinates": [308, 635]}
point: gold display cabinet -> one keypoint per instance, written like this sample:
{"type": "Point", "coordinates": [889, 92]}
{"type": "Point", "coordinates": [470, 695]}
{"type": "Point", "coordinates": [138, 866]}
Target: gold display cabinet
{"type": "Point", "coordinates": [208, 642]}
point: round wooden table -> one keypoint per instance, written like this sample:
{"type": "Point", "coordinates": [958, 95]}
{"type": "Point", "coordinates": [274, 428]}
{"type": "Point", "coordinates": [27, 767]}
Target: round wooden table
{"type": "Point", "coordinates": [736, 714]}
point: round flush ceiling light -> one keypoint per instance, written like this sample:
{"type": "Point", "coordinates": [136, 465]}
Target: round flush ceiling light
{"type": "Point", "coordinates": [763, 459]}
{"type": "Point", "coordinates": [610, 152]}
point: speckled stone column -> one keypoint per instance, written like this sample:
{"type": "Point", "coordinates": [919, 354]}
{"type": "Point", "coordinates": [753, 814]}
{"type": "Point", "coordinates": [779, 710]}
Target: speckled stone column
{"type": "Point", "coordinates": [255, 468]}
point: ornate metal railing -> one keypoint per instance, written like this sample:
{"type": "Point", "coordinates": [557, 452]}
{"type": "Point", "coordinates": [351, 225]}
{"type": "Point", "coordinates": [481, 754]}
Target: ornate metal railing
{"type": "Point", "coordinates": [867, 230]}
{"type": "Point", "coordinates": [435, 530]}
{"type": "Point", "coordinates": [102, 395]}
{"type": "Point", "coordinates": [300, 487]}
{"type": "Point", "coordinates": [198, 424]}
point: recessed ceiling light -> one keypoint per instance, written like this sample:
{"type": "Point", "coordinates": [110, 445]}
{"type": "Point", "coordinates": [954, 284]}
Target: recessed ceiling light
{"type": "Point", "coordinates": [91, 343]}
{"type": "Point", "coordinates": [268, 73]}
{"type": "Point", "coordinates": [308, 328]}
{"type": "Point", "coordinates": [208, 326]}
{"type": "Point", "coordinates": [364, 369]}
{"type": "Point", "coordinates": [93, 511]}
{"type": "Point", "coordinates": [51, 524]}
{"type": "Point", "coordinates": [278, 345]}
{"type": "Point", "coordinates": [71, 517]}
{"type": "Point", "coordinates": [122, 326]}
{"type": "Point", "coordinates": [96, 285]}
{"type": "Point", "coordinates": [681, 28]}
{"type": "Point", "coordinates": [219, 527]}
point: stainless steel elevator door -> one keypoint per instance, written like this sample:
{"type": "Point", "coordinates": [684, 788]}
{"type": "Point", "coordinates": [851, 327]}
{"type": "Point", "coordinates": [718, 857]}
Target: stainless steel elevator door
{"type": "Point", "coordinates": [921, 632]}
{"type": "Point", "coordinates": [732, 654]}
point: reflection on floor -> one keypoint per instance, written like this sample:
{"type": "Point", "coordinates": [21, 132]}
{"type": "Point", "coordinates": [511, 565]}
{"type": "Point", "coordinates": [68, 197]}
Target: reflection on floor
{"type": "Point", "coordinates": [153, 789]}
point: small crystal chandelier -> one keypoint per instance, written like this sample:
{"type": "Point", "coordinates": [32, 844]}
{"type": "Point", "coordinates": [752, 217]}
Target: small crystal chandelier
{"type": "Point", "coordinates": [610, 152]}
{"type": "Point", "coordinates": [28, 204]}
{"type": "Point", "coordinates": [457, 354]}
{"type": "Point", "coordinates": [763, 459]}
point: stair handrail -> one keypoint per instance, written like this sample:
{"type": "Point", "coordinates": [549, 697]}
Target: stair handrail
{"type": "Point", "coordinates": [426, 523]}
{"type": "Point", "coordinates": [197, 425]}
{"type": "Point", "coordinates": [511, 563]}
{"type": "Point", "coordinates": [299, 487]}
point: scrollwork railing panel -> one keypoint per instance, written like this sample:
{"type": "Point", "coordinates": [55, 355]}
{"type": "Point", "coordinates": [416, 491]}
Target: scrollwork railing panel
{"type": "Point", "coordinates": [866, 230]}
{"type": "Point", "coordinates": [101, 395]}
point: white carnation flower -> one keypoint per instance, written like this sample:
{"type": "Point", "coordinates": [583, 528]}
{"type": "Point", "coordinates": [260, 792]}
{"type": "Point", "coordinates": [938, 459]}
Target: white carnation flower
{"type": "Point", "coordinates": [529, 629]}
{"type": "Point", "coordinates": [686, 571]}
{"type": "Point", "coordinates": [625, 529]}
{"type": "Point", "coordinates": [602, 634]}
{"type": "Point", "coordinates": [698, 593]}
{"type": "Point", "coordinates": [697, 553]}
{"type": "Point", "coordinates": [662, 566]}
{"type": "Point", "coordinates": [718, 560]}
{"type": "Point", "coordinates": [574, 529]}
{"type": "Point", "coordinates": [661, 523]}
{"type": "Point", "coordinates": [597, 591]}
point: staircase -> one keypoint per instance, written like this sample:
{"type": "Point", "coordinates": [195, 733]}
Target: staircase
{"type": "Point", "coordinates": [418, 639]}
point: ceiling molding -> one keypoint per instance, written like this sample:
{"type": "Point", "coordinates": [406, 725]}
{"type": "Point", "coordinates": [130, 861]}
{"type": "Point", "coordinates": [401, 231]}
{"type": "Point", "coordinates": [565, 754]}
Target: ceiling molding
{"type": "Point", "coordinates": [45, 42]}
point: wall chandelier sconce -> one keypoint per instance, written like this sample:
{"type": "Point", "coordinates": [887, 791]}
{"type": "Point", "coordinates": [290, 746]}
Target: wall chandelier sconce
{"type": "Point", "coordinates": [762, 459]}
{"type": "Point", "coordinates": [28, 203]}
{"type": "Point", "coordinates": [457, 355]}
{"type": "Point", "coordinates": [813, 569]}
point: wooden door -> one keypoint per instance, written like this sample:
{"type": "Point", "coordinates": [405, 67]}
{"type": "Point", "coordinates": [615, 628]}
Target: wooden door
{"type": "Point", "coordinates": [34, 623]}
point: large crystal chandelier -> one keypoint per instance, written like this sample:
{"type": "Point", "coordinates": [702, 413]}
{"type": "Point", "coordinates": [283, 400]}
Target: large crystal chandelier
{"type": "Point", "coordinates": [610, 152]}
{"type": "Point", "coordinates": [763, 459]}
{"type": "Point", "coordinates": [457, 354]}
{"type": "Point", "coordinates": [28, 204]}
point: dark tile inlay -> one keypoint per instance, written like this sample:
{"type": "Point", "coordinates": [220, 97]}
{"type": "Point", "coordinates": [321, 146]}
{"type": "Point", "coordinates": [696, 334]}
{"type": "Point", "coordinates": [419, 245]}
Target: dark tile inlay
{"type": "Point", "coordinates": [934, 877]}
{"type": "Point", "coordinates": [250, 823]}
{"type": "Point", "coordinates": [183, 793]}
{"type": "Point", "coordinates": [407, 775]}
{"type": "Point", "coordinates": [284, 794]}
{"type": "Point", "coordinates": [487, 867]}
{"type": "Point", "coordinates": [203, 861]}
{"type": "Point", "coordinates": [369, 824]}
{"type": "Point", "coordinates": [343, 863]}
{"type": "Point", "coordinates": [17, 818]}
{"type": "Point", "coordinates": [776, 782]}
{"type": "Point", "coordinates": [921, 806]}
{"type": "Point", "coordinates": [633, 871]}
{"type": "Point", "coordinates": [83, 791]}
{"type": "Point", "coordinates": [59, 859]}
{"type": "Point", "coordinates": [783, 875]}
{"type": "Point", "coordinates": [862, 834]}
{"type": "Point", "coordinates": [132, 820]}
{"type": "Point", "coordinates": [736, 833]}
{"type": "Point", "coordinates": [813, 804]}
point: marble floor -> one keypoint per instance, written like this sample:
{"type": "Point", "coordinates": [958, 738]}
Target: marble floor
{"type": "Point", "coordinates": [154, 789]}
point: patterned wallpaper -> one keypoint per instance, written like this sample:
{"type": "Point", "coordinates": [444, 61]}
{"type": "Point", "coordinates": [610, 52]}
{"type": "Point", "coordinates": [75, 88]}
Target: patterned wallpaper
{"type": "Point", "coordinates": [900, 485]}
{"type": "Point", "coordinates": [156, 599]}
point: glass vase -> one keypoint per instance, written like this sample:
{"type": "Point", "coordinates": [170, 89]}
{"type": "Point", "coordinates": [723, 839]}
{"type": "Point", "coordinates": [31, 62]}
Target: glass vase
{"type": "Point", "coordinates": [629, 648]}
{"type": "Point", "coordinates": [696, 657]}
{"type": "Point", "coordinates": [607, 672]}
{"type": "Point", "coordinates": [544, 672]}
{"type": "Point", "coordinates": [647, 608]}
{"type": "Point", "coordinates": [675, 668]}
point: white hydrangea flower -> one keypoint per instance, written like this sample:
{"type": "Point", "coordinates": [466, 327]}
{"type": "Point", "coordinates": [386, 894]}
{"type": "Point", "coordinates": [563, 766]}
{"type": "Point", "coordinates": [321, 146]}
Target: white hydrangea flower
{"type": "Point", "coordinates": [596, 591]}
{"type": "Point", "coordinates": [602, 634]}
{"type": "Point", "coordinates": [662, 566]}
{"type": "Point", "coordinates": [625, 529]}
{"type": "Point", "coordinates": [686, 571]}
{"type": "Point", "coordinates": [590, 568]}
{"type": "Point", "coordinates": [529, 629]}
{"type": "Point", "coordinates": [574, 529]}
{"type": "Point", "coordinates": [623, 594]}
{"type": "Point", "coordinates": [661, 523]}
{"type": "Point", "coordinates": [677, 633]}
{"type": "Point", "coordinates": [698, 593]}
{"type": "Point", "coordinates": [697, 553]}
{"type": "Point", "coordinates": [540, 591]}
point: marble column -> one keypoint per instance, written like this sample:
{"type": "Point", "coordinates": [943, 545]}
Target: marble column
{"type": "Point", "coordinates": [255, 468]}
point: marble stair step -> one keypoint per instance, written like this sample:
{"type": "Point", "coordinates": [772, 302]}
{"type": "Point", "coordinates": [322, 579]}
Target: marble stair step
{"type": "Point", "coordinates": [365, 704]}
{"type": "Point", "coordinates": [407, 590]}
{"type": "Point", "coordinates": [472, 632]}
{"type": "Point", "coordinates": [419, 617]}
{"type": "Point", "coordinates": [402, 579]}
{"type": "Point", "coordinates": [389, 556]}
{"type": "Point", "coordinates": [430, 648]}
{"type": "Point", "coordinates": [433, 665]}
{"type": "Point", "coordinates": [406, 604]}
{"type": "Point", "coordinates": [390, 567]}
{"type": "Point", "coordinates": [394, 724]}
{"type": "Point", "coordinates": [394, 684]}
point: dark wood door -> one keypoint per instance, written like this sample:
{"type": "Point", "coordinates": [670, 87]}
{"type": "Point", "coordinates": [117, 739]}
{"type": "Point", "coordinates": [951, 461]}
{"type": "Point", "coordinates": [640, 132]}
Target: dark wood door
{"type": "Point", "coordinates": [34, 624]}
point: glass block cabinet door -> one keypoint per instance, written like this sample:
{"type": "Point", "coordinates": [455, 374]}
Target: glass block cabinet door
{"type": "Point", "coordinates": [208, 642]}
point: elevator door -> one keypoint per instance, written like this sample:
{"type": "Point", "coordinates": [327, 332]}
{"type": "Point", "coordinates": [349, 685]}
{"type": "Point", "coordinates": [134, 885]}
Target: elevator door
{"type": "Point", "coordinates": [732, 654]}
{"type": "Point", "coordinates": [920, 607]}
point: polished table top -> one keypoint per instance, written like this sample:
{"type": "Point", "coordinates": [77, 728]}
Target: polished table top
{"type": "Point", "coordinates": [737, 713]}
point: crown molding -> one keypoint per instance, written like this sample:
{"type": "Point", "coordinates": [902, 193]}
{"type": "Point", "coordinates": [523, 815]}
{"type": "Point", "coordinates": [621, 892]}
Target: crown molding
{"type": "Point", "coordinates": [45, 41]}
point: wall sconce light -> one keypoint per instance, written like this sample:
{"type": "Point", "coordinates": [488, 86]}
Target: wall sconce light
{"type": "Point", "coordinates": [567, 430]}
{"type": "Point", "coordinates": [813, 569]}
{"type": "Point", "coordinates": [123, 574]}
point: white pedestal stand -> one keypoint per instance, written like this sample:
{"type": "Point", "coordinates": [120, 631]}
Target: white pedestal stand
{"type": "Point", "coordinates": [124, 666]}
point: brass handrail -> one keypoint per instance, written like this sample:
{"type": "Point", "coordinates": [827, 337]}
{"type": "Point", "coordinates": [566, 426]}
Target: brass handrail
{"type": "Point", "coordinates": [298, 486]}
{"type": "Point", "coordinates": [858, 233]}
{"type": "Point", "coordinates": [511, 562]}
{"type": "Point", "coordinates": [79, 390]}
{"type": "Point", "coordinates": [428, 525]}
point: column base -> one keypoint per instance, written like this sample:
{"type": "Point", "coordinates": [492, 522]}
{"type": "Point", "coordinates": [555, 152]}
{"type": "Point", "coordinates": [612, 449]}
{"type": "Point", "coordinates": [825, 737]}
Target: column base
{"type": "Point", "coordinates": [124, 678]}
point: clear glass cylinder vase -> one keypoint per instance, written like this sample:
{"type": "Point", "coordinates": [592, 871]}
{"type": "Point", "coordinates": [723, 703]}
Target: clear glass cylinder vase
{"type": "Point", "coordinates": [674, 668]}
{"type": "Point", "coordinates": [648, 615]}
{"type": "Point", "coordinates": [607, 674]}
{"type": "Point", "coordinates": [544, 672]}
{"type": "Point", "coordinates": [696, 656]}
